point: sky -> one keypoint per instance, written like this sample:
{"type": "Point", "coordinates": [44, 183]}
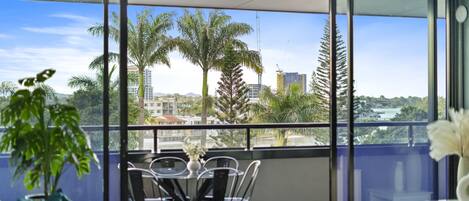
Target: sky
{"type": "Point", "coordinates": [390, 52]}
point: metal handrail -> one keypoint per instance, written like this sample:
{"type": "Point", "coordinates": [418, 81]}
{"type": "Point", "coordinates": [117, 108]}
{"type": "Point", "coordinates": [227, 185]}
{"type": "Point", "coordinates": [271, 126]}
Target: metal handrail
{"type": "Point", "coordinates": [248, 127]}
{"type": "Point", "coordinates": [252, 126]}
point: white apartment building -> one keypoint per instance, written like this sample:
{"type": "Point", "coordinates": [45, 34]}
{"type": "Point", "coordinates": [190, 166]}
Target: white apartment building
{"type": "Point", "coordinates": [160, 106]}
{"type": "Point", "coordinates": [195, 120]}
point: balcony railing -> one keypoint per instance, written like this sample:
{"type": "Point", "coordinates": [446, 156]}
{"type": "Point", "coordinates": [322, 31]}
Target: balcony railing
{"type": "Point", "coordinates": [248, 128]}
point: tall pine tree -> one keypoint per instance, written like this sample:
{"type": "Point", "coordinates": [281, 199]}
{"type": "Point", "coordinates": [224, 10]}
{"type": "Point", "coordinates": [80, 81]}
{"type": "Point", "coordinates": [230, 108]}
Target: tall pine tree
{"type": "Point", "coordinates": [320, 82]}
{"type": "Point", "coordinates": [232, 103]}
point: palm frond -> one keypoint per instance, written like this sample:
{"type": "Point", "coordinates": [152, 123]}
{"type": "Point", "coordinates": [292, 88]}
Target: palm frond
{"type": "Point", "coordinates": [251, 59]}
{"type": "Point", "coordinates": [98, 62]}
{"type": "Point", "coordinates": [82, 82]}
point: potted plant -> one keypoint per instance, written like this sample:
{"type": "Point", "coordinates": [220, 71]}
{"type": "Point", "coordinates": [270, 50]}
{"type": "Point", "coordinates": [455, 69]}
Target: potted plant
{"type": "Point", "coordinates": [42, 138]}
{"type": "Point", "coordinates": [194, 152]}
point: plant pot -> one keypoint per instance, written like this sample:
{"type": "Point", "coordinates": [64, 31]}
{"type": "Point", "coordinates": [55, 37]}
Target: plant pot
{"type": "Point", "coordinates": [193, 166]}
{"type": "Point", "coordinates": [56, 196]}
{"type": "Point", "coordinates": [463, 167]}
{"type": "Point", "coordinates": [35, 197]}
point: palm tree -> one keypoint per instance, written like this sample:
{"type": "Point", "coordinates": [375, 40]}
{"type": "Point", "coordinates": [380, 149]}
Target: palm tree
{"type": "Point", "coordinates": [287, 106]}
{"type": "Point", "coordinates": [87, 83]}
{"type": "Point", "coordinates": [88, 99]}
{"type": "Point", "coordinates": [202, 42]}
{"type": "Point", "coordinates": [148, 44]}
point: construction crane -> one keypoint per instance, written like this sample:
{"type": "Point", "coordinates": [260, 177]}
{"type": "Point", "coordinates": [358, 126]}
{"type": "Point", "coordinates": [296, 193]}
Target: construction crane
{"type": "Point", "coordinates": [278, 68]}
{"type": "Point", "coordinates": [258, 32]}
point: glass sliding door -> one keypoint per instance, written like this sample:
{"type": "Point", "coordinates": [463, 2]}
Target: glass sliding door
{"type": "Point", "coordinates": [342, 70]}
{"type": "Point", "coordinates": [34, 36]}
{"type": "Point", "coordinates": [172, 91]}
{"type": "Point", "coordinates": [344, 92]}
{"type": "Point", "coordinates": [391, 73]}
{"type": "Point", "coordinates": [113, 20]}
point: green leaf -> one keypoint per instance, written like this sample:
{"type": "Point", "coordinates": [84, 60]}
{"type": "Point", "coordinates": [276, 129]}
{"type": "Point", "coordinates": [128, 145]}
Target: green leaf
{"type": "Point", "coordinates": [42, 137]}
{"type": "Point", "coordinates": [27, 82]}
{"type": "Point", "coordinates": [45, 75]}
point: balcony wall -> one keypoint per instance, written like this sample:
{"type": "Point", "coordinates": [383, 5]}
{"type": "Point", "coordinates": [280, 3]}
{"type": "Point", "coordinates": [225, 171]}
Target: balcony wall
{"type": "Point", "coordinates": [279, 179]}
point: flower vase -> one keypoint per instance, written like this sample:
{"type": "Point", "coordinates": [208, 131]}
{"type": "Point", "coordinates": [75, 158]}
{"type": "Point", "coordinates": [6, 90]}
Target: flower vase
{"type": "Point", "coordinates": [463, 167]}
{"type": "Point", "coordinates": [193, 166]}
{"type": "Point", "coordinates": [462, 190]}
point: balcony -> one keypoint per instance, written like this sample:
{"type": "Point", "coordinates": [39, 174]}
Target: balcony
{"type": "Point", "coordinates": [292, 164]}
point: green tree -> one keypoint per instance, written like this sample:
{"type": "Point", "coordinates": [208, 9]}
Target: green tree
{"type": "Point", "coordinates": [232, 103]}
{"type": "Point", "coordinates": [202, 42]}
{"type": "Point", "coordinates": [411, 109]}
{"type": "Point", "coordinates": [193, 106]}
{"type": "Point", "coordinates": [320, 82]}
{"type": "Point", "coordinates": [88, 99]}
{"type": "Point", "coordinates": [148, 44]}
{"type": "Point", "coordinates": [7, 88]}
{"type": "Point", "coordinates": [289, 106]}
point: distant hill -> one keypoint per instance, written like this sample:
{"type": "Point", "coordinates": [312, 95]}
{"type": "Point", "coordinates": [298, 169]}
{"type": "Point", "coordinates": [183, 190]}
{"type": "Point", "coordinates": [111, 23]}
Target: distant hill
{"type": "Point", "coordinates": [192, 95]}
{"type": "Point", "coordinates": [62, 96]}
{"type": "Point", "coordinates": [160, 94]}
{"type": "Point", "coordinates": [165, 94]}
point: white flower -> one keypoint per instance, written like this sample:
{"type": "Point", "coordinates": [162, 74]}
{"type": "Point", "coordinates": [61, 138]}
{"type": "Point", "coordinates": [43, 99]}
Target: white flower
{"type": "Point", "coordinates": [193, 151]}
{"type": "Point", "coordinates": [450, 137]}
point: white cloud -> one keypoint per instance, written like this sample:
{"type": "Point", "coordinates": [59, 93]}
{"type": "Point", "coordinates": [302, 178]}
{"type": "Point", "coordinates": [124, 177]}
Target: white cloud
{"type": "Point", "coordinates": [20, 62]}
{"type": "Point", "coordinates": [58, 30]}
{"type": "Point", "coordinates": [78, 25]}
{"type": "Point", "coordinates": [69, 51]}
{"type": "Point", "coordinates": [5, 36]}
{"type": "Point", "coordinates": [184, 77]}
{"type": "Point", "coordinates": [73, 17]}
{"type": "Point", "coordinates": [74, 32]}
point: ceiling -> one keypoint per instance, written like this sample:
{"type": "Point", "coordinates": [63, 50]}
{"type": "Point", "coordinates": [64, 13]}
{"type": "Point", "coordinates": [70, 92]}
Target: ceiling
{"type": "Point", "coordinates": [401, 8]}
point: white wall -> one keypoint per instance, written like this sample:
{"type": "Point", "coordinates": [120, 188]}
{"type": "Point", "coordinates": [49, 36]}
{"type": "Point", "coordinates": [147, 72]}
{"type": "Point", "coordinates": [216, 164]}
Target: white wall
{"type": "Point", "coordinates": [295, 179]}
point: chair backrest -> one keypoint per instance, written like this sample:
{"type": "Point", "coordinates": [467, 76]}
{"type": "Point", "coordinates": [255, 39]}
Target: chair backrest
{"type": "Point", "coordinates": [221, 161]}
{"type": "Point", "coordinates": [216, 180]}
{"type": "Point", "coordinates": [168, 166]}
{"type": "Point", "coordinates": [136, 192]}
{"type": "Point", "coordinates": [129, 165]}
{"type": "Point", "coordinates": [246, 185]}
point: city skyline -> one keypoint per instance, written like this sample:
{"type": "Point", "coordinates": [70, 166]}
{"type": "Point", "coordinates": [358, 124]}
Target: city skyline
{"type": "Point", "coordinates": [66, 46]}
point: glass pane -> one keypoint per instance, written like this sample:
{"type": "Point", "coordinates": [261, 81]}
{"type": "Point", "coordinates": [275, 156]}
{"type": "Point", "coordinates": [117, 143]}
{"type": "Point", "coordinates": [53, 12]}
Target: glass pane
{"type": "Point", "coordinates": [278, 137]}
{"type": "Point", "coordinates": [342, 96]}
{"type": "Point", "coordinates": [391, 75]}
{"type": "Point", "coordinates": [220, 89]}
{"type": "Point", "coordinates": [170, 90]}
{"type": "Point", "coordinates": [44, 34]}
{"type": "Point", "coordinates": [114, 101]}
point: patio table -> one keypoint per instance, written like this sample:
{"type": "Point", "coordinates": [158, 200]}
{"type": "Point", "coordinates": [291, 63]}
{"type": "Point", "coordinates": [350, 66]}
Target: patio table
{"type": "Point", "coordinates": [172, 181]}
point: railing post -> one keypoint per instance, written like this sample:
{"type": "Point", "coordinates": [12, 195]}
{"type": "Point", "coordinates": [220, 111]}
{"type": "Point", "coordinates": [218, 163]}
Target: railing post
{"type": "Point", "coordinates": [248, 139]}
{"type": "Point", "coordinates": [155, 140]}
{"type": "Point", "coordinates": [410, 133]}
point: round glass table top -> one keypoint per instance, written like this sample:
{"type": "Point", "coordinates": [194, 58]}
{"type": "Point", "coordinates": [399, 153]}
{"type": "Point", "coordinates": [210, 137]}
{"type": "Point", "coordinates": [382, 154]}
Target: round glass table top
{"type": "Point", "coordinates": [188, 175]}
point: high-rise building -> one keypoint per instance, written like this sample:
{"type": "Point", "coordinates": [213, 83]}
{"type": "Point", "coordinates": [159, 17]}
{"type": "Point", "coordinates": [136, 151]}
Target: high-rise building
{"type": "Point", "coordinates": [133, 86]}
{"type": "Point", "coordinates": [254, 91]}
{"type": "Point", "coordinates": [285, 79]}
